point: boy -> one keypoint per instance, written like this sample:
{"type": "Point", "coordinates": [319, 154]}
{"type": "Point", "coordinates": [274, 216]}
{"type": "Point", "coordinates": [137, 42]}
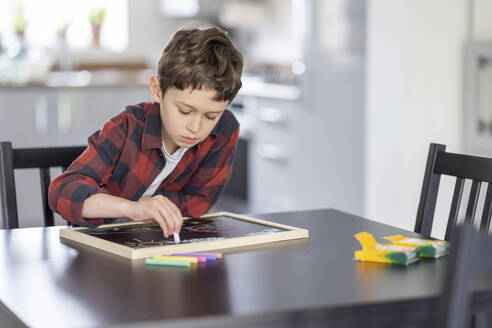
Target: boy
{"type": "Point", "coordinates": [167, 159]}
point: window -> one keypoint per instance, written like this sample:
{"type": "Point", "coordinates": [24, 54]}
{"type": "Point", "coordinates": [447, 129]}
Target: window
{"type": "Point", "coordinates": [45, 18]}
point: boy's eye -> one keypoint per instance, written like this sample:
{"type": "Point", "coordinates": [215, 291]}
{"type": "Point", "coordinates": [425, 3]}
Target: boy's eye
{"type": "Point", "coordinates": [183, 112]}
{"type": "Point", "coordinates": [211, 117]}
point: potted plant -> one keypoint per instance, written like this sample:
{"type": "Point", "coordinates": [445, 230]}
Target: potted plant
{"type": "Point", "coordinates": [96, 18]}
{"type": "Point", "coordinates": [20, 23]}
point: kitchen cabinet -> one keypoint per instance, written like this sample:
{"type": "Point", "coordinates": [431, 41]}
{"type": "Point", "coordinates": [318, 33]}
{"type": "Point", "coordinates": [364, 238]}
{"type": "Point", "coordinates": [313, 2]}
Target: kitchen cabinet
{"type": "Point", "coordinates": [276, 155]}
{"type": "Point", "coordinates": [26, 116]}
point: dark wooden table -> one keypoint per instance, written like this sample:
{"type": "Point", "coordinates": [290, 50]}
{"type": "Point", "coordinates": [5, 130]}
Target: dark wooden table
{"type": "Point", "coordinates": [313, 282]}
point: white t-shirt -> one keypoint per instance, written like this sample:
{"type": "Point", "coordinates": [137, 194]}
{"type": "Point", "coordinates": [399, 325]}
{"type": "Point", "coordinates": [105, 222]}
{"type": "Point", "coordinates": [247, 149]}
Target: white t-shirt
{"type": "Point", "coordinates": [171, 162]}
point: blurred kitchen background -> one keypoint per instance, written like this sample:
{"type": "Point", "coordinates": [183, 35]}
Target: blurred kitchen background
{"type": "Point", "coordinates": [340, 98]}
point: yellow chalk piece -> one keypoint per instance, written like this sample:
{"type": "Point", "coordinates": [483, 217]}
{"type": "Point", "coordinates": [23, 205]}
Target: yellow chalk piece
{"type": "Point", "coordinates": [178, 258]}
{"type": "Point", "coordinates": [372, 255]}
{"type": "Point", "coordinates": [366, 240]}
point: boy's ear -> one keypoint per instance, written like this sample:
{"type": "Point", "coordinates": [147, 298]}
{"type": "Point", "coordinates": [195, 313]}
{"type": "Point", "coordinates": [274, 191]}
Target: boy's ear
{"type": "Point", "coordinates": [155, 88]}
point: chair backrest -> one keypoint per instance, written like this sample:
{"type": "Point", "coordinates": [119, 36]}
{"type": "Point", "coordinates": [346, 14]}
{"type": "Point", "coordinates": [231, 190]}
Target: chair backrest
{"type": "Point", "coordinates": [477, 169]}
{"type": "Point", "coordinates": [22, 158]}
{"type": "Point", "coordinates": [469, 255]}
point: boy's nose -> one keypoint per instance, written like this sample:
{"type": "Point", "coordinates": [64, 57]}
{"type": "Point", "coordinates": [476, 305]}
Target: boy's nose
{"type": "Point", "coordinates": [194, 124]}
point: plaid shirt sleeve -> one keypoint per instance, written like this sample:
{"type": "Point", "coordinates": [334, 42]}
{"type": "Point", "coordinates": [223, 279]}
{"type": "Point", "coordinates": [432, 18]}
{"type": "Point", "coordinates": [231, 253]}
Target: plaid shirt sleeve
{"type": "Point", "coordinates": [209, 180]}
{"type": "Point", "coordinates": [88, 173]}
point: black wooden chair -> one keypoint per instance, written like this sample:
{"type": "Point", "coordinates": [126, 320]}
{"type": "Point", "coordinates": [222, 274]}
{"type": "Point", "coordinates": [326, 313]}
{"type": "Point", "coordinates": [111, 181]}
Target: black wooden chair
{"type": "Point", "coordinates": [23, 158]}
{"type": "Point", "coordinates": [471, 253]}
{"type": "Point", "coordinates": [477, 169]}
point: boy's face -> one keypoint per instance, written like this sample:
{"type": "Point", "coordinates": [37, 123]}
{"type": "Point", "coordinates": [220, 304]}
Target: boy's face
{"type": "Point", "coordinates": [187, 116]}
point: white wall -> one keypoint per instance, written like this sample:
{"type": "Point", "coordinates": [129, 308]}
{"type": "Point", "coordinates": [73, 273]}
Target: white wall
{"type": "Point", "coordinates": [482, 19]}
{"type": "Point", "coordinates": [414, 90]}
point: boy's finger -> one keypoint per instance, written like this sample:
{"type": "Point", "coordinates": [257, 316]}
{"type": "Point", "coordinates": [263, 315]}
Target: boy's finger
{"type": "Point", "coordinates": [160, 208]}
{"type": "Point", "coordinates": [178, 218]}
{"type": "Point", "coordinates": [162, 223]}
{"type": "Point", "coordinates": [173, 213]}
{"type": "Point", "coordinates": [168, 219]}
{"type": "Point", "coordinates": [177, 224]}
{"type": "Point", "coordinates": [180, 223]}
{"type": "Point", "coordinates": [164, 228]}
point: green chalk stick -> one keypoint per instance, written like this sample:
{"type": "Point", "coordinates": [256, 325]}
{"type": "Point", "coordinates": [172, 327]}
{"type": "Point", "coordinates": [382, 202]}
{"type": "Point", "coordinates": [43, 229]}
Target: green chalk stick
{"type": "Point", "coordinates": [152, 261]}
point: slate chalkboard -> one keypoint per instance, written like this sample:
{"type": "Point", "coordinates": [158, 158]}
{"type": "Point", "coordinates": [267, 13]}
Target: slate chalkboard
{"type": "Point", "coordinates": [209, 232]}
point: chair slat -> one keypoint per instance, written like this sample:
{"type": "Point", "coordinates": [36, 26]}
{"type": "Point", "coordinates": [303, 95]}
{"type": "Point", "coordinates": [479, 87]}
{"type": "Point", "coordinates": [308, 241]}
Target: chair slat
{"type": "Point", "coordinates": [45, 183]}
{"type": "Point", "coordinates": [45, 157]}
{"type": "Point", "coordinates": [8, 196]}
{"type": "Point", "coordinates": [465, 166]}
{"type": "Point", "coordinates": [455, 207]}
{"type": "Point", "coordinates": [487, 210]}
{"type": "Point", "coordinates": [472, 201]}
{"type": "Point", "coordinates": [428, 196]}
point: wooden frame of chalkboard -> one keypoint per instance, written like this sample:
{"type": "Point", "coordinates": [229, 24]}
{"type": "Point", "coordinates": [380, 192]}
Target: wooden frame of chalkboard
{"type": "Point", "coordinates": [205, 234]}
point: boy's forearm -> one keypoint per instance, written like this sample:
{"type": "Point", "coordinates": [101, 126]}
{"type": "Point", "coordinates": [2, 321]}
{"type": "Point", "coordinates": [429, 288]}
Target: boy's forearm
{"type": "Point", "coordinates": [106, 206]}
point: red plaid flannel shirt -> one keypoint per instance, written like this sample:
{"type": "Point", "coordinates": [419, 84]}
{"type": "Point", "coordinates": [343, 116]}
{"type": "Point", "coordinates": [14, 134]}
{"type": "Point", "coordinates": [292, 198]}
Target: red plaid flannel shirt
{"type": "Point", "coordinates": [125, 157]}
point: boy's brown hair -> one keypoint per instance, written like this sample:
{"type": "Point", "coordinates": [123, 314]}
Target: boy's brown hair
{"type": "Point", "coordinates": [201, 58]}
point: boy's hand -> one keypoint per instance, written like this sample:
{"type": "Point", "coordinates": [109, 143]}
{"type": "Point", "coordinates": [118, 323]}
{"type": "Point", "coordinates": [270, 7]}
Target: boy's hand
{"type": "Point", "coordinates": [159, 209]}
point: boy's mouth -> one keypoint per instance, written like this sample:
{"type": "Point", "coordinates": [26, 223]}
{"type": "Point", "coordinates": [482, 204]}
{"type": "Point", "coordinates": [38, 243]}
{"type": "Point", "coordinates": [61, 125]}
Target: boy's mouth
{"type": "Point", "coordinates": [187, 140]}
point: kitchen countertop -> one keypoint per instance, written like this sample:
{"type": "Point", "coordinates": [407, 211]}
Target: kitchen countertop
{"type": "Point", "coordinates": [252, 86]}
